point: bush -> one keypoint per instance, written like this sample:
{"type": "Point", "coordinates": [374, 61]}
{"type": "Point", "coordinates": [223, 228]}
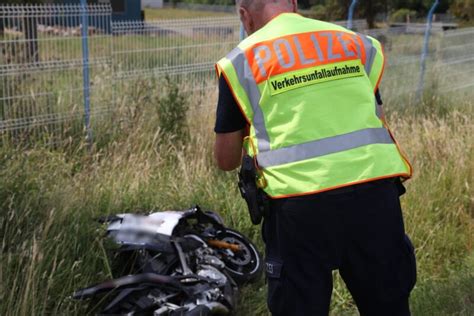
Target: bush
{"type": "Point", "coordinates": [401, 15]}
{"type": "Point", "coordinates": [318, 12]}
{"type": "Point", "coordinates": [463, 9]}
{"type": "Point", "coordinates": [210, 2]}
{"type": "Point", "coordinates": [172, 109]}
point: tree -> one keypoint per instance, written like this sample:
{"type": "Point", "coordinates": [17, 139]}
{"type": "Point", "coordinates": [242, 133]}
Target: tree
{"type": "Point", "coordinates": [371, 8]}
{"type": "Point", "coordinates": [337, 9]}
{"type": "Point", "coordinates": [463, 9]}
{"type": "Point", "coordinates": [368, 9]}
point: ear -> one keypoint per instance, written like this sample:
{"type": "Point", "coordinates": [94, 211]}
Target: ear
{"type": "Point", "coordinates": [242, 11]}
{"type": "Point", "coordinates": [246, 19]}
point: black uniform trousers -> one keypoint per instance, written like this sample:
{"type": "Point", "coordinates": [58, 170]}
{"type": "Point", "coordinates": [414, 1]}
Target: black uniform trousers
{"type": "Point", "coordinates": [358, 230]}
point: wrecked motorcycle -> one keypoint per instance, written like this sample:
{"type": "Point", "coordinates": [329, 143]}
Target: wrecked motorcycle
{"type": "Point", "coordinates": [178, 263]}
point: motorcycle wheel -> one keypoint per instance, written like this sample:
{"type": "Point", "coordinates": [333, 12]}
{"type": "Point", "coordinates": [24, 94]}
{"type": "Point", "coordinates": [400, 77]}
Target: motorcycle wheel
{"type": "Point", "coordinates": [243, 266]}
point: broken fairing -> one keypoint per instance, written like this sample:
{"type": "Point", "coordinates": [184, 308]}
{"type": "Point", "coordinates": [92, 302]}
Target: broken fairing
{"type": "Point", "coordinates": [177, 263]}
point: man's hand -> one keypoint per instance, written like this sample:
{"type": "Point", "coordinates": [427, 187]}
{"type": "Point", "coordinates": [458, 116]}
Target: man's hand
{"type": "Point", "coordinates": [228, 149]}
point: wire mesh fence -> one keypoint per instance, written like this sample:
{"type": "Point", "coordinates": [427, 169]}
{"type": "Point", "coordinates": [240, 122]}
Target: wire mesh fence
{"type": "Point", "coordinates": [449, 64]}
{"type": "Point", "coordinates": [453, 70]}
{"type": "Point", "coordinates": [42, 63]}
{"type": "Point", "coordinates": [172, 47]}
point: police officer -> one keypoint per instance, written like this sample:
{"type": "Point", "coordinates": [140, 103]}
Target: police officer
{"type": "Point", "coordinates": [300, 96]}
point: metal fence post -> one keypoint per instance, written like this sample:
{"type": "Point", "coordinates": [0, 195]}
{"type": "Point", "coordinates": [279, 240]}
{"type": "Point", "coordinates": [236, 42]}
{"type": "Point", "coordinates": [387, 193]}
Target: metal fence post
{"type": "Point", "coordinates": [85, 69]}
{"type": "Point", "coordinates": [351, 14]}
{"type": "Point", "coordinates": [424, 53]}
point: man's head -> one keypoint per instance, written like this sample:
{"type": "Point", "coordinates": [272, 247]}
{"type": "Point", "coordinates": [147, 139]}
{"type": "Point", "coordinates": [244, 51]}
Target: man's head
{"type": "Point", "coordinates": [254, 14]}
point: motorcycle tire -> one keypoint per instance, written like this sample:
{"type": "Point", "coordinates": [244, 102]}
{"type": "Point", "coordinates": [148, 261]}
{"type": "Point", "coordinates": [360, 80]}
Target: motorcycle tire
{"type": "Point", "coordinates": [245, 266]}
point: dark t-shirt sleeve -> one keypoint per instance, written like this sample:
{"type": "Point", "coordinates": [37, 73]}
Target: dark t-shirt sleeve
{"type": "Point", "coordinates": [378, 97]}
{"type": "Point", "coordinates": [228, 116]}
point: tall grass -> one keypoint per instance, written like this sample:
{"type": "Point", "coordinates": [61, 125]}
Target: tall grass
{"type": "Point", "coordinates": [51, 245]}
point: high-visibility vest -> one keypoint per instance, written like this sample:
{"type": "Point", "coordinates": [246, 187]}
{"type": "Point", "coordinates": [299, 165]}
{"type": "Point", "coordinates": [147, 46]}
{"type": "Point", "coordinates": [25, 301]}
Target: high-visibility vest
{"type": "Point", "coordinates": [306, 87]}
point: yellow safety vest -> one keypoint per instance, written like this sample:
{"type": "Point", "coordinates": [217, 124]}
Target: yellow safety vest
{"type": "Point", "coordinates": [307, 89]}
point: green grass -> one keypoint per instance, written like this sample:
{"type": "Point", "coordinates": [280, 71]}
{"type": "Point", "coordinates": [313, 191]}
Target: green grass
{"type": "Point", "coordinates": [170, 13]}
{"type": "Point", "coordinates": [452, 295]}
{"type": "Point", "coordinates": [49, 199]}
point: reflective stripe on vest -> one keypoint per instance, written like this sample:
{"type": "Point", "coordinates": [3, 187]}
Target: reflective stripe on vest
{"type": "Point", "coordinates": [324, 146]}
{"type": "Point", "coordinates": [297, 73]}
{"type": "Point", "coordinates": [247, 81]}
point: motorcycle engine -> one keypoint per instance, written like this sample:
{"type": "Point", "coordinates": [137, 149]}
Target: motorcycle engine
{"type": "Point", "coordinates": [209, 266]}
